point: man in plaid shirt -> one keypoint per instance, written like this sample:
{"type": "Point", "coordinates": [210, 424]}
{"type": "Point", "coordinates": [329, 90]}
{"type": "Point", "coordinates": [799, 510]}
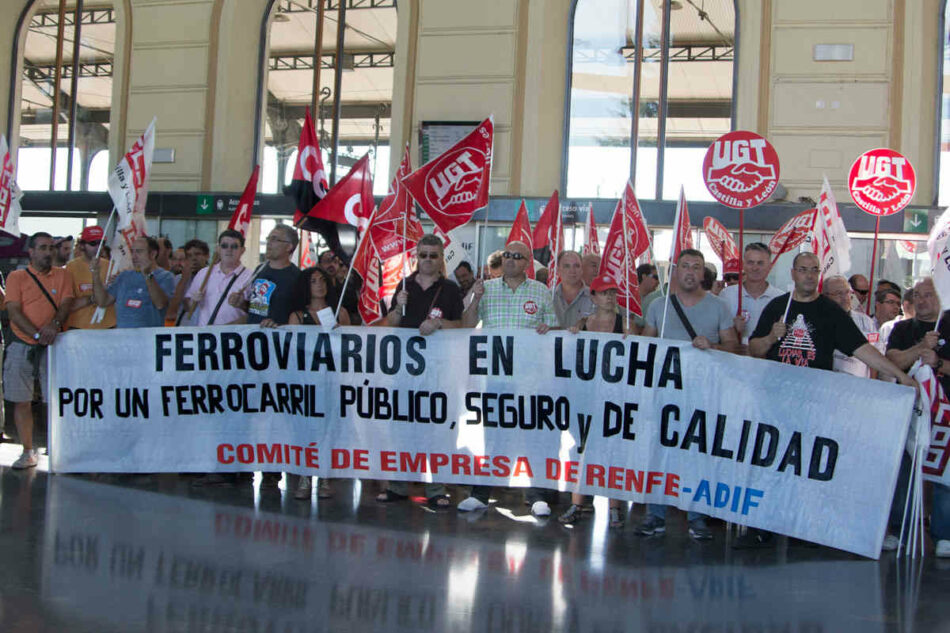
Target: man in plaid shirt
{"type": "Point", "coordinates": [512, 301]}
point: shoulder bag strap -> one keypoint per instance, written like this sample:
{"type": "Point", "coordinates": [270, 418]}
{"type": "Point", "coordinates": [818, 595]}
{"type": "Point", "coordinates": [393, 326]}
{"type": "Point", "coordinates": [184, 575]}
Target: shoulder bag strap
{"type": "Point", "coordinates": [682, 316]}
{"type": "Point", "coordinates": [43, 288]}
{"type": "Point", "coordinates": [223, 295]}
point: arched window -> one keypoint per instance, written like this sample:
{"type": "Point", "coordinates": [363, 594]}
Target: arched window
{"type": "Point", "coordinates": [943, 139]}
{"type": "Point", "coordinates": [651, 85]}
{"type": "Point", "coordinates": [360, 122]}
{"type": "Point", "coordinates": [79, 48]}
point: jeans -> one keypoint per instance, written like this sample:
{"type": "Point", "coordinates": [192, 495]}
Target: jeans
{"type": "Point", "coordinates": [940, 513]}
{"type": "Point", "coordinates": [659, 511]}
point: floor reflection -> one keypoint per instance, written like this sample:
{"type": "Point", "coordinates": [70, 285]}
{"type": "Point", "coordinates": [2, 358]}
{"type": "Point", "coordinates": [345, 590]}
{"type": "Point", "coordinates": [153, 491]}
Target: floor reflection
{"type": "Point", "coordinates": [82, 555]}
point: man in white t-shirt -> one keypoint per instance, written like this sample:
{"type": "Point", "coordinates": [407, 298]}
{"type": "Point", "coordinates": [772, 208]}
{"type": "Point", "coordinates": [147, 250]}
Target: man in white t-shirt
{"type": "Point", "coordinates": [756, 289]}
{"type": "Point", "coordinates": [839, 290]}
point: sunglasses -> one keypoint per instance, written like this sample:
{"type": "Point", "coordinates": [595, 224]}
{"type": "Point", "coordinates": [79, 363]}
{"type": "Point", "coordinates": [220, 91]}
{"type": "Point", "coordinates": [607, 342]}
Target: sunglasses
{"type": "Point", "coordinates": [515, 256]}
{"type": "Point", "coordinates": [861, 292]}
{"type": "Point", "coordinates": [428, 255]}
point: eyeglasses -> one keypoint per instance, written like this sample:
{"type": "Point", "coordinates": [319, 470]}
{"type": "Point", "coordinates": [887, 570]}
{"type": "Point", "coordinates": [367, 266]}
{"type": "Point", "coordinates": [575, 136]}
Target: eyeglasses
{"type": "Point", "coordinates": [515, 256]}
{"type": "Point", "coordinates": [271, 238]}
{"type": "Point", "coordinates": [813, 270]}
{"type": "Point", "coordinates": [229, 247]}
{"type": "Point", "coordinates": [428, 255]}
{"type": "Point", "coordinates": [891, 302]}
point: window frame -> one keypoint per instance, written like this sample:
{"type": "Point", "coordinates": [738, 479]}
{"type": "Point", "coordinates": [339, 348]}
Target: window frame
{"type": "Point", "coordinates": [661, 140]}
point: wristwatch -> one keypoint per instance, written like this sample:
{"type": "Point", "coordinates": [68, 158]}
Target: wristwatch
{"type": "Point", "coordinates": [149, 275]}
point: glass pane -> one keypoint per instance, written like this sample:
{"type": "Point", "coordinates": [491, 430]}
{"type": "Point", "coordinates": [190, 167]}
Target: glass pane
{"type": "Point", "coordinates": [601, 103]}
{"type": "Point", "coordinates": [93, 92]}
{"type": "Point", "coordinates": [699, 93]}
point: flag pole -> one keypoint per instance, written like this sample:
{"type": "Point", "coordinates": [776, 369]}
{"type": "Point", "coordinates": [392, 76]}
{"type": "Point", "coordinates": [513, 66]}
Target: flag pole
{"type": "Point", "coordinates": [105, 230]}
{"type": "Point", "coordinates": [741, 236]}
{"type": "Point", "coordinates": [405, 258]}
{"type": "Point", "coordinates": [626, 260]}
{"type": "Point", "coordinates": [877, 230]}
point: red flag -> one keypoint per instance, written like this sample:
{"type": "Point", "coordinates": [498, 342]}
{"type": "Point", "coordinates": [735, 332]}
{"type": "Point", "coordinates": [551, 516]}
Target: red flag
{"type": "Point", "coordinates": [793, 233]}
{"type": "Point", "coordinates": [393, 273]}
{"type": "Point", "coordinates": [396, 214]}
{"type": "Point", "coordinates": [720, 239]}
{"type": "Point", "coordinates": [620, 256]}
{"type": "Point", "coordinates": [682, 231]}
{"type": "Point", "coordinates": [309, 186]}
{"type": "Point", "coordinates": [366, 265]}
{"type": "Point", "coordinates": [309, 166]}
{"type": "Point", "coordinates": [521, 232]}
{"type": "Point", "coordinates": [241, 219]}
{"type": "Point", "coordinates": [591, 242]}
{"type": "Point", "coordinates": [350, 201]}
{"type": "Point", "coordinates": [549, 230]}
{"type": "Point", "coordinates": [306, 255]}
{"type": "Point", "coordinates": [453, 186]}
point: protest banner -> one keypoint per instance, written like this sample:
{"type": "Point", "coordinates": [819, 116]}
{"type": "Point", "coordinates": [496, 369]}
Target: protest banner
{"type": "Point", "coordinates": [645, 420]}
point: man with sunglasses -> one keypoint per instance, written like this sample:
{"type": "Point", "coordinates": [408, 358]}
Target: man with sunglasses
{"type": "Point", "coordinates": [209, 299]}
{"type": "Point", "coordinates": [84, 305]}
{"type": "Point", "coordinates": [861, 287]}
{"type": "Point", "coordinates": [428, 302]}
{"type": "Point", "coordinates": [514, 301]}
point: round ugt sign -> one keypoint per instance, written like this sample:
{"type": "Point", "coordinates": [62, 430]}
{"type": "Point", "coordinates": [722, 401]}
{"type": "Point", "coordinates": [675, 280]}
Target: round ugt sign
{"type": "Point", "coordinates": [741, 169]}
{"type": "Point", "coordinates": [882, 181]}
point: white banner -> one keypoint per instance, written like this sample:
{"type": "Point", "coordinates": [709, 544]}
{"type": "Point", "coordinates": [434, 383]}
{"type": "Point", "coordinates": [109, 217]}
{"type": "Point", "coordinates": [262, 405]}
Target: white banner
{"type": "Point", "coordinates": [10, 193]}
{"type": "Point", "coordinates": [807, 453]}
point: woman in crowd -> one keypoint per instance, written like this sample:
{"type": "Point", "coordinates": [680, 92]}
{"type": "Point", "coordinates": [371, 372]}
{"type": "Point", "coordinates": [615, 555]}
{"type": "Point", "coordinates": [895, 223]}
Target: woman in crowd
{"type": "Point", "coordinates": [607, 317]}
{"type": "Point", "coordinates": [312, 288]}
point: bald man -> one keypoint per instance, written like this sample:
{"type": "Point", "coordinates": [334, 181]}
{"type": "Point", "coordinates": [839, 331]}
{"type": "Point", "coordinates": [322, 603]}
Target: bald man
{"type": "Point", "coordinates": [513, 301]}
{"type": "Point", "coordinates": [839, 290]}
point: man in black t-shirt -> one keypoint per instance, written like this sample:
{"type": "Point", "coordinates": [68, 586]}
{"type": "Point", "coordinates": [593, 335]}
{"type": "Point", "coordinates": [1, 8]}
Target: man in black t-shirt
{"type": "Point", "coordinates": [814, 328]}
{"type": "Point", "coordinates": [428, 301]}
{"type": "Point", "coordinates": [268, 299]}
{"type": "Point", "coordinates": [919, 338]}
{"type": "Point", "coordinates": [807, 336]}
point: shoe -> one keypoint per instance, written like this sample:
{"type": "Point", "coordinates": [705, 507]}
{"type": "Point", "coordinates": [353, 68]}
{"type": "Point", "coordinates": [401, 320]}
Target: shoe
{"type": "Point", "coordinates": [754, 539]}
{"type": "Point", "coordinates": [572, 515]}
{"type": "Point", "coordinates": [27, 459]}
{"type": "Point", "coordinates": [650, 526]}
{"type": "Point", "coordinates": [699, 531]}
{"type": "Point", "coordinates": [439, 502]}
{"type": "Point", "coordinates": [616, 518]}
{"type": "Point", "coordinates": [303, 490]}
{"type": "Point", "coordinates": [324, 489]}
{"type": "Point", "coordinates": [541, 509]}
{"type": "Point", "coordinates": [270, 483]}
{"type": "Point", "coordinates": [890, 543]}
{"type": "Point", "coordinates": [943, 548]}
{"type": "Point", "coordinates": [471, 503]}
{"type": "Point", "coordinates": [388, 496]}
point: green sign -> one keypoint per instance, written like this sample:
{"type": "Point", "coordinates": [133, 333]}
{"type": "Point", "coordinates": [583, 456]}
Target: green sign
{"type": "Point", "coordinates": [915, 220]}
{"type": "Point", "coordinates": [205, 205]}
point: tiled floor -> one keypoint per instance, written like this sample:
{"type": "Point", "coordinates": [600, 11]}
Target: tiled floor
{"type": "Point", "coordinates": [80, 555]}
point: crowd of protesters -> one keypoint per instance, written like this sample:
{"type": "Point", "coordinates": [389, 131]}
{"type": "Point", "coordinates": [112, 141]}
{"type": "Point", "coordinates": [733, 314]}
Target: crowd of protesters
{"type": "Point", "coordinates": [65, 286]}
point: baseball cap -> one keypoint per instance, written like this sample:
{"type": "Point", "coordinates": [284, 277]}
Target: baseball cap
{"type": "Point", "coordinates": [604, 282]}
{"type": "Point", "coordinates": [91, 234]}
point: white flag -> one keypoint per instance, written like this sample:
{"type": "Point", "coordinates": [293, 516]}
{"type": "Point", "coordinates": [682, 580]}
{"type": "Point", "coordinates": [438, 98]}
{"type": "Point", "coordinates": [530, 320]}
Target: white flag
{"type": "Point", "coordinates": [831, 242]}
{"type": "Point", "coordinates": [128, 187]}
{"type": "Point", "coordinates": [10, 193]}
{"type": "Point", "coordinates": [940, 257]}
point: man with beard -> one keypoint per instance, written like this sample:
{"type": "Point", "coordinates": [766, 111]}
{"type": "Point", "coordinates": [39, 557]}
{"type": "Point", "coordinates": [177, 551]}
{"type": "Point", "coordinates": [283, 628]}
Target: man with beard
{"type": "Point", "coordinates": [38, 300]}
